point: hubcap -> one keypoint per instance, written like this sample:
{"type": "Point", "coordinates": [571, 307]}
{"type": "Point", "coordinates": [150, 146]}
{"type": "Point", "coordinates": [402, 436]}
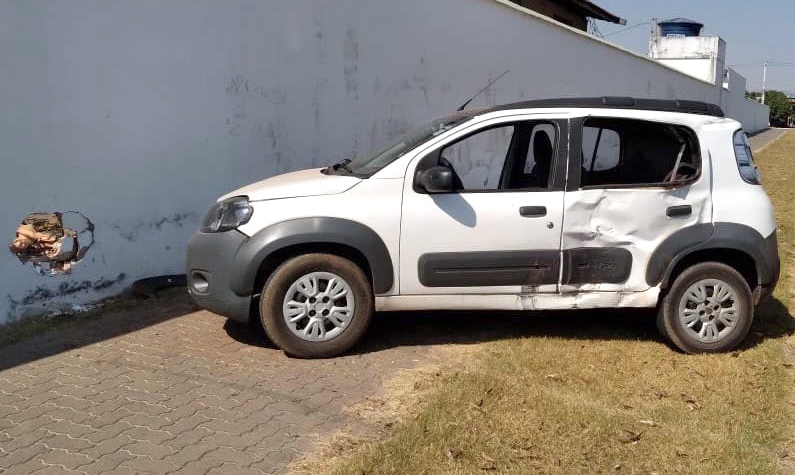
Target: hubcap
{"type": "Point", "coordinates": [318, 306]}
{"type": "Point", "coordinates": [708, 310]}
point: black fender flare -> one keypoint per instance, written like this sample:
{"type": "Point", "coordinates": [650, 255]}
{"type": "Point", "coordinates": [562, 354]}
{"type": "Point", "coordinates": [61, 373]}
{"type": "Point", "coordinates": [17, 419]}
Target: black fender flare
{"type": "Point", "coordinates": [317, 230]}
{"type": "Point", "coordinates": [734, 236]}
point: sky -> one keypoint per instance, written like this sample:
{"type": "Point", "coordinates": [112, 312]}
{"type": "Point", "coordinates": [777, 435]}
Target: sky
{"type": "Point", "coordinates": [754, 31]}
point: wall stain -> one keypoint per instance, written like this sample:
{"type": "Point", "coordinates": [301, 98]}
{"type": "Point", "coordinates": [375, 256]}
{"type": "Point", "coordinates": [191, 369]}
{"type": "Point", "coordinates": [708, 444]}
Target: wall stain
{"type": "Point", "coordinates": [42, 294]}
{"type": "Point", "coordinates": [350, 54]}
{"type": "Point", "coordinates": [276, 133]}
{"type": "Point", "coordinates": [130, 233]}
{"type": "Point", "coordinates": [237, 85]}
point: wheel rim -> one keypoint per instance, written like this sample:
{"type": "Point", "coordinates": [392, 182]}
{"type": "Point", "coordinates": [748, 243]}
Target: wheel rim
{"type": "Point", "coordinates": [708, 310]}
{"type": "Point", "coordinates": [318, 306]}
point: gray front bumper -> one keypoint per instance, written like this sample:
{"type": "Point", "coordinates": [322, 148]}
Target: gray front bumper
{"type": "Point", "coordinates": [210, 266]}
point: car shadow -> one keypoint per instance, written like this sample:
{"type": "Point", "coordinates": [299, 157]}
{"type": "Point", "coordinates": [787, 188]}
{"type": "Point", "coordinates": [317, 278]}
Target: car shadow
{"type": "Point", "coordinates": [122, 316]}
{"type": "Point", "coordinates": [427, 328]}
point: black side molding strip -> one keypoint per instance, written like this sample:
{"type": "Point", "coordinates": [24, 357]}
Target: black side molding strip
{"type": "Point", "coordinates": [489, 268]}
{"type": "Point", "coordinates": [596, 265]}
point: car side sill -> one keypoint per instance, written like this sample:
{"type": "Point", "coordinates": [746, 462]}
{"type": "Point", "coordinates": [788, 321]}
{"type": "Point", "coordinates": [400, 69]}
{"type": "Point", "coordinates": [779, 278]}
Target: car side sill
{"type": "Point", "coordinates": [644, 299]}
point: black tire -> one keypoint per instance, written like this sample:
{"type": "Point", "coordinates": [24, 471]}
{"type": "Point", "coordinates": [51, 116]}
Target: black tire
{"type": "Point", "coordinates": [674, 331]}
{"type": "Point", "coordinates": [279, 282]}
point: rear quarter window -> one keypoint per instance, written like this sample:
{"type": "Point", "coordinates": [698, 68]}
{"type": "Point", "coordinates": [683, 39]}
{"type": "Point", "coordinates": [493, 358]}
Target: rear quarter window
{"type": "Point", "coordinates": [745, 159]}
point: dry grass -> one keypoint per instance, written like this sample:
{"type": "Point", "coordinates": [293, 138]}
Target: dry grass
{"type": "Point", "coordinates": [584, 402]}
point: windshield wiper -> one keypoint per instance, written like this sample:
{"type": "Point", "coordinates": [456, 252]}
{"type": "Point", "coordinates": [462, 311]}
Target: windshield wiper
{"type": "Point", "coordinates": [341, 165]}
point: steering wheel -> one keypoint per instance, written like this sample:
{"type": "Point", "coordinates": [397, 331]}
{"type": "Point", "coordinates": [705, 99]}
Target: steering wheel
{"type": "Point", "coordinates": [686, 166]}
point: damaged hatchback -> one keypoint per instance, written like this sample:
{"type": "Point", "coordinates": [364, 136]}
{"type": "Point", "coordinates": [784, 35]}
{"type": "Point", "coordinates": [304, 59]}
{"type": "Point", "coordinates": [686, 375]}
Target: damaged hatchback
{"type": "Point", "coordinates": [554, 204]}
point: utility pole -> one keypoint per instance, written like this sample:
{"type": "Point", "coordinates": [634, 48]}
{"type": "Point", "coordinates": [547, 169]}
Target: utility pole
{"type": "Point", "coordinates": [764, 79]}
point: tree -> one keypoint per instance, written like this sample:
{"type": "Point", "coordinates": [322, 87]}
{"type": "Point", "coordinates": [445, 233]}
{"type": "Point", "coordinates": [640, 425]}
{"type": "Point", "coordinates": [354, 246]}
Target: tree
{"type": "Point", "coordinates": [780, 107]}
{"type": "Point", "coordinates": [754, 96]}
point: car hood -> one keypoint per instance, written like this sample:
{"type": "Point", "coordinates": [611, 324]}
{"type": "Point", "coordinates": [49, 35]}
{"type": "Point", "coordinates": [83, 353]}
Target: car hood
{"type": "Point", "coordinates": [290, 185]}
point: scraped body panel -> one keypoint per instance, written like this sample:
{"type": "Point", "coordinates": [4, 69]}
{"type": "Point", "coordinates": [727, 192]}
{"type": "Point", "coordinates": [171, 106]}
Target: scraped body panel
{"type": "Point", "coordinates": [633, 219]}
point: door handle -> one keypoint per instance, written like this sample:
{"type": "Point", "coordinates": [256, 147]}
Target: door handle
{"type": "Point", "coordinates": [533, 211]}
{"type": "Point", "coordinates": [683, 210]}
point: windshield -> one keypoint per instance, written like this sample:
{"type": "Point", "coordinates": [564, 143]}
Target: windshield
{"type": "Point", "coordinates": [368, 165]}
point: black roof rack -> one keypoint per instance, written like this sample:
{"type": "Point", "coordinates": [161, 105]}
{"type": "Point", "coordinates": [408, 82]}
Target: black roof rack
{"type": "Point", "coordinates": [663, 105]}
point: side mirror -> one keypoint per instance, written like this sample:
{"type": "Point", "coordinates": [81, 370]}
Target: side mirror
{"type": "Point", "coordinates": [435, 180]}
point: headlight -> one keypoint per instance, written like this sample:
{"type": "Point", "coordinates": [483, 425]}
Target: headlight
{"type": "Point", "coordinates": [226, 215]}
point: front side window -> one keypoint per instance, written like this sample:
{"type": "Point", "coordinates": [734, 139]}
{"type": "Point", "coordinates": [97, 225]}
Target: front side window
{"type": "Point", "coordinates": [506, 157]}
{"type": "Point", "coordinates": [745, 159]}
{"type": "Point", "coordinates": [478, 160]}
{"type": "Point", "coordinates": [628, 152]}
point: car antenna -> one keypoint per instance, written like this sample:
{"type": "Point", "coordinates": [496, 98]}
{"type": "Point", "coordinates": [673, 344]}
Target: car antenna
{"type": "Point", "coordinates": [463, 106]}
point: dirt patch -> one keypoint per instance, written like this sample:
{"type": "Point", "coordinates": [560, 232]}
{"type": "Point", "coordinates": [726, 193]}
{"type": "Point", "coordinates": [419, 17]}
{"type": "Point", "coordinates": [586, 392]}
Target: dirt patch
{"type": "Point", "coordinates": [376, 416]}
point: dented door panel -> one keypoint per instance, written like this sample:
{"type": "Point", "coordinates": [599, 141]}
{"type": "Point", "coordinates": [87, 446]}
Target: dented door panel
{"type": "Point", "coordinates": [634, 219]}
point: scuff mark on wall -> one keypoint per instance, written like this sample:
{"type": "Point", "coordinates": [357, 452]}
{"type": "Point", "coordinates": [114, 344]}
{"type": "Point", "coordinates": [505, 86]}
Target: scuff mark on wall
{"type": "Point", "coordinates": [130, 233]}
{"type": "Point", "coordinates": [43, 295]}
{"type": "Point", "coordinates": [276, 132]}
{"type": "Point", "coordinates": [350, 53]}
{"type": "Point", "coordinates": [237, 85]}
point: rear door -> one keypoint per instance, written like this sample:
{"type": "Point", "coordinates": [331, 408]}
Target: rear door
{"type": "Point", "coordinates": [632, 184]}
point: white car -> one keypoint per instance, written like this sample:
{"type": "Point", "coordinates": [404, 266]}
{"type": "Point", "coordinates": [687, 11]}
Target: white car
{"type": "Point", "coordinates": [553, 204]}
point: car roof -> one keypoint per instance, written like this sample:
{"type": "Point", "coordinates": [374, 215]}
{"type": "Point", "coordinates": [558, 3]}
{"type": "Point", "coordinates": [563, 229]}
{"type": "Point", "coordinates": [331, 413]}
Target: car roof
{"type": "Point", "coordinates": [614, 102]}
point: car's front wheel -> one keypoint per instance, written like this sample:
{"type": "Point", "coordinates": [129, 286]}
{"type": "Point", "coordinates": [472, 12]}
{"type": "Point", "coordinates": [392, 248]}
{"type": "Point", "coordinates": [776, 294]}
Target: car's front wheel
{"type": "Point", "coordinates": [316, 305]}
{"type": "Point", "coordinates": [708, 309]}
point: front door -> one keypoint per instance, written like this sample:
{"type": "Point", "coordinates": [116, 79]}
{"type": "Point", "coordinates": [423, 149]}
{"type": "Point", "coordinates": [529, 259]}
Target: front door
{"type": "Point", "coordinates": [499, 232]}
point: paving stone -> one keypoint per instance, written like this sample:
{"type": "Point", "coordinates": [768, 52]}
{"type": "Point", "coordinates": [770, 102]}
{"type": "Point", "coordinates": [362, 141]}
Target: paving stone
{"type": "Point", "coordinates": [147, 449]}
{"type": "Point", "coordinates": [233, 469]}
{"type": "Point", "coordinates": [196, 467]}
{"type": "Point", "coordinates": [68, 459]}
{"type": "Point", "coordinates": [149, 435]}
{"type": "Point", "coordinates": [107, 463]}
{"type": "Point", "coordinates": [20, 456]}
{"type": "Point", "coordinates": [108, 446]}
{"type": "Point", "coordinates": [149, 465]}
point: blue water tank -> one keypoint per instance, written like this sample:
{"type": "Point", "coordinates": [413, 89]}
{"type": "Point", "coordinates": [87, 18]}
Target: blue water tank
{"type": "Point", "coordinates": [680, 27]}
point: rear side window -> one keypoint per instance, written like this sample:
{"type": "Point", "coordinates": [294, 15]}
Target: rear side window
{"type": "Point", "coordinates": [601, 148]}
{"type": "Point", "coordinates": [628, 152]}
{"type": "Point", "coordinates": [745, 159]}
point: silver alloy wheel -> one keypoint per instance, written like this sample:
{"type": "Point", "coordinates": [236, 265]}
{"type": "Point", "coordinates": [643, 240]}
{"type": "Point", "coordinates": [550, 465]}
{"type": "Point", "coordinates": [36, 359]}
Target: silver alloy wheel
{"type": "Point", "coordinates": [318, 306]}
{"type": "Point", "coordinates": [708, 310]}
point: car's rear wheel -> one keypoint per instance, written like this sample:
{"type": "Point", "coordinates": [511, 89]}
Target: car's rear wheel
{"type": "Point", "coordinates": [316, 305]}
{"type": "Point", "coordinates": [708, 309]}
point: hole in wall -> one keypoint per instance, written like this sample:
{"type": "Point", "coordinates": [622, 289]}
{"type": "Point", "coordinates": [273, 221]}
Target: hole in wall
{"type": "Point", "coordinates": [52, 243]}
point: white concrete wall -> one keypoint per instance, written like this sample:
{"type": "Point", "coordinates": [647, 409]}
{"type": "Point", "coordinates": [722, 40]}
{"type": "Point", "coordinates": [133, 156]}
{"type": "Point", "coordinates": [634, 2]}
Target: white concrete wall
{"type": "Point", "coordinates": [702, 57]}
{"type": "Point", "coordinates": [138, 114]}
{"type": "Point", "coordinates": [752, 114]}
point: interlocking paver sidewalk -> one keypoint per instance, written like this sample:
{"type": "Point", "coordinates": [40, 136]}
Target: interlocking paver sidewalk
{"type": "Point", "coordinates": [188, 394]}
